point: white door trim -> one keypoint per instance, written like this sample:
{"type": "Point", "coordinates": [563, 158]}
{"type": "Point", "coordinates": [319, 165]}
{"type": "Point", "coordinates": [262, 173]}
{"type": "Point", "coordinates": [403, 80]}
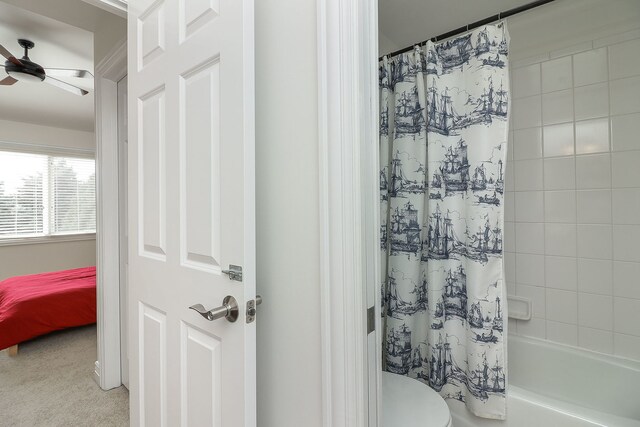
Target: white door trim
{"type": "Point", "coordinates": [347, 93]}
{"type": "Point", "coordinates": [107, 73]}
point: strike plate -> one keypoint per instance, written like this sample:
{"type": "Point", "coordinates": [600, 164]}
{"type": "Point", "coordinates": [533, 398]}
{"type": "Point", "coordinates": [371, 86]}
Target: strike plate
{"type": "Point", "coordinates": [234, 272]}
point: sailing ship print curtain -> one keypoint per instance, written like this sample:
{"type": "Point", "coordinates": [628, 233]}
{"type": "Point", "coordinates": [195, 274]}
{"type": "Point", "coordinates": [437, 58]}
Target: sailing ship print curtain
{"type": "Point", "coordinates": [443, 133]}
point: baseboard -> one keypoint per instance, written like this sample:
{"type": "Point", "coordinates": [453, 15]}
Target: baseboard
{"type": "Point", "coordinates": [96, 373]}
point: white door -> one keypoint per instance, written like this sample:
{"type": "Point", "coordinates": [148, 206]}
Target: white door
{"type": "Point", "coordinates": [191, 211]}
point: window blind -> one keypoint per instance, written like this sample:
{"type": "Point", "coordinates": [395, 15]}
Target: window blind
{"type": "Point", "coordinates": [45, 195]}
{"type": "Point", "coordinates": [74, 197]}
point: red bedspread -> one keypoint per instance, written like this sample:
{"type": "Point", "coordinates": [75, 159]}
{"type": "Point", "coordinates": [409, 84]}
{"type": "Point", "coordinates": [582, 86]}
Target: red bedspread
{"type": "Point", "coordinates": [40, 303]}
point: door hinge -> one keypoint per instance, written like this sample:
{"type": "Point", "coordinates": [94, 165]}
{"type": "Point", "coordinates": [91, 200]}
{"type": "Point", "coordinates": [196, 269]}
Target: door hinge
{"type": "Point", "coordinates": [371, 319]}
{"type": "Point", "coordinates": [251, 308]}
{"type": "Point", "coordinates": [234, 272]}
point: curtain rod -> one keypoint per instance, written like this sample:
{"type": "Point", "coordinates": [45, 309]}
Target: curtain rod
{"type": "Point", "coordinates": [473, 25]}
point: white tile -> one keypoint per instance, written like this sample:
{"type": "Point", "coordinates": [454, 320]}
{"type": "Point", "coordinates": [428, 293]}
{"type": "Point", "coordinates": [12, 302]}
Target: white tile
{"type": "Point", "coordinates": [560, 173]}
{"type": "Point", "coordinates": [593, 171]}
{"type": "Point", "coordinates": [510, 267]}
{"type": "Point", "coordinates": [624, 59]}
{"type": "Point", "coordinates": [509, 237]}
{"type": "Point", "coordinates": [526, 81]}
{"type": "Point", "coordinates": [536, 295]}
{"type": "Point", "coordinates": [563, 333]}
{"type": "Point", "coordinates": [595, 276]}
{"type": "Point", "coordinates": [617, 38]}
{"type": "Point", "coordinates": [594, 206]}
{"type": "Point", "coordinates": [626, 279]}
{"type": "Point", "coordinates": [530, 60]}
{"type": "Point", "coordinates": [594, 241]}
{"type": "Point", "coordinates": [530, 269]}
{"type": "Point", "coordinates": [509, 206]}
{"type": "Point", "coordinates": [626, 169]}
{"type": "Point", "coordinates": [527, 112]}
{"type": "Point", "coordinates": [625, 243]}
{"type": "Point", "coordinates": [509, 178]}
{"type": "Point", "coordinates": [626, 205]}
{"type": "Point", "coordinates": [595, 311]}
{"type": "Point", "coordinates": [570, 50]}
{"type": "Point", "coordinates": [626, 346]}
{"type": "Point", "coordinates": [511, 288]}
{"type": "Point", "coordinates": [624, 95]}
{"type": "Point", "coordinates": [626, 316]}
{"type": "Point", "coordinates": [557, 107]}
{"type": "Point", "coordinates": [560, 206]}
{"type": "Point", "coordinates": [527, 144]}
{"type": "Point", "coordinates": [528, 175]}
{"type": "Point", "coordinates": [529, 206]}
{"type": "Point", "coordinates": [560, 239]}
{"type": "Point", "coordinates": [510, 143]}
{"type": "Point", "coordinates": [558, 140]}
{"type": "Point", "coordinates": [557, 74]}
{"type": "Point", "coordinates": [562, 306]}
{"type": "Point", "coordinates": [625, 132]}
{"type": "Point", "coordinates": [592, 136]}
{"type": "Point", "coordinates": [591, 101]}
{"type": "Point", "coordinates": [561, 273]}
{"type": "Point", "coordinates": [532, 328]}
{"type": "Point", "coordinates": [590, 67]}
{"type": "Point", "coordinates": [596, 340]}
{"type": "Point", "coordinates": [529, 237]}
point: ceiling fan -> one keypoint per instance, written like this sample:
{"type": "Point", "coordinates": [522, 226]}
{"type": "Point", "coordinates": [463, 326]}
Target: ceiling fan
{"type": "Point", "coordinates": [26, 70]}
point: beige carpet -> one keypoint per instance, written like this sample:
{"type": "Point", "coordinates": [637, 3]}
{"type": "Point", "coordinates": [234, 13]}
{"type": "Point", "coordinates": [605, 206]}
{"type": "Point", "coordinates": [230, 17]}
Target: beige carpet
{"type": "Point", "coordinates": [50, 383]}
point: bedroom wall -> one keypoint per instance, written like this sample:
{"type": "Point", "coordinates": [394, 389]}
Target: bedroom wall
{"type": "Point", "coordinates": [40, 257]}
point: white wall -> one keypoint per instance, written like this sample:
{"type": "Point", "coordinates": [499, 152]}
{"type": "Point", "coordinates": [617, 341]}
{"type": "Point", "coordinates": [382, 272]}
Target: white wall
{"type": "Point", "coordinates": [107, 35]}
{"type": "Point", "coordinates": [572, 206]}
{"type": "Point", "coordinates": [289, 383]}
{"type": "Point", "coordinates": [37, 258]}
{"type": "Point", "coordinates": [108, 29]}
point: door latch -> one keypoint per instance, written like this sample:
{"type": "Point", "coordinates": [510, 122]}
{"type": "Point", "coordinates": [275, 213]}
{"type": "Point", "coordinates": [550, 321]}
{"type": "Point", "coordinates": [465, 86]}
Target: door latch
{"type": "Point", "coordinates": [234, 272]}
{"type": "Point", "coordinates": [251, 308]}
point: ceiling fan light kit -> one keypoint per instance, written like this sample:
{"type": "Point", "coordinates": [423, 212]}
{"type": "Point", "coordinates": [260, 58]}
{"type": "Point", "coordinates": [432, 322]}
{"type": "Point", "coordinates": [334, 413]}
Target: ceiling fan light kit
{"type": "Point", "coordinates": [25, 70]}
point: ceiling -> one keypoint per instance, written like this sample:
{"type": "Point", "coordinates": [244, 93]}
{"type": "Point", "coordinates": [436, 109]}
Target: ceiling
{"type": "Point", "coordinates": [57, 45]}
{"type": "Point", "coordinates": [405, 22]}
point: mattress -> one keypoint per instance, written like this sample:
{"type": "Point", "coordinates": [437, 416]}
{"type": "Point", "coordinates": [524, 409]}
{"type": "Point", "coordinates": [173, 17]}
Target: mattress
{"type": "Point", "coordinates": [37, 304]}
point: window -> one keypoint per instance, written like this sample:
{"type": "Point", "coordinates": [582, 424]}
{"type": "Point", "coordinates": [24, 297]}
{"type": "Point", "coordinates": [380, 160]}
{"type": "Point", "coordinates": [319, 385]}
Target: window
{"type": "Point", "coordinates": [44, 195]}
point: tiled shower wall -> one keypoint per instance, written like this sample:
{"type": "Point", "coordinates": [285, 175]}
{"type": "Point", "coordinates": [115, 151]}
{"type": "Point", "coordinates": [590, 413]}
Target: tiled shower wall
{"type": "Point", "coordinates": [572, 202]}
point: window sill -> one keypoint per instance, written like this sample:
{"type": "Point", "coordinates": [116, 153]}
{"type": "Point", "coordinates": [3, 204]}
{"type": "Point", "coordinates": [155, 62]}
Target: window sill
{"type": "Point", "coordinates": [36, 240]}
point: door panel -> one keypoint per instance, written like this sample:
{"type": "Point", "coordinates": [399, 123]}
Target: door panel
{"type": "Point", "coordinates": [151, 166]}
{"type": "Point", "coordinates": [201, 390]}
{"type": "Point", "coordinates": [200, 149]}
{"type": "Point", "coordinates": [191, 208]}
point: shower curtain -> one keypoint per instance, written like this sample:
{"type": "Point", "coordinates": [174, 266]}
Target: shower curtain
{"type": "Point", "coordinates": [443, 136]}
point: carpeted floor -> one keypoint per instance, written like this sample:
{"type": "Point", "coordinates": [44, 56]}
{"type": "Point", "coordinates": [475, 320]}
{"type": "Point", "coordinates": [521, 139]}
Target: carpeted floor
{"type": "Point", "coordinates": [50, 383]}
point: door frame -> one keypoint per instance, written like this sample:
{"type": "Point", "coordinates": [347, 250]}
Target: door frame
{"type": "Point", "coordinates": [349, 210]}
{"type": "Point", "coordinates": [108, 72]}
{"type": "Point", "coordinates": [347, 57]}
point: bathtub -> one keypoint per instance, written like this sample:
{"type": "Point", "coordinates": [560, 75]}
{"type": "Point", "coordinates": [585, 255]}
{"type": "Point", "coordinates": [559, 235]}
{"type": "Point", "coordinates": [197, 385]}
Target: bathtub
{"type": "Point", "coordinates": [552, 385]}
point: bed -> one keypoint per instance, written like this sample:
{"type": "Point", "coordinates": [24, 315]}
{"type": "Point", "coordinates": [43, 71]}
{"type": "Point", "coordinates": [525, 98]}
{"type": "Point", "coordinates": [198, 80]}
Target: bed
{"type": "Point", "coordinates": [37, 304]}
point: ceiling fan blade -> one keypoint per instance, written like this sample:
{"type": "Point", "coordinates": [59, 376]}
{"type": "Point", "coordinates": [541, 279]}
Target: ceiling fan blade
{"type": "Point", "coordinates": [65, 86]}
{"type": "Point", "coordinates": [7, 81]}
{"type": "Point", "coordinates": [4, 52]}
{"type": "Point", "coordinates": [63, 72]}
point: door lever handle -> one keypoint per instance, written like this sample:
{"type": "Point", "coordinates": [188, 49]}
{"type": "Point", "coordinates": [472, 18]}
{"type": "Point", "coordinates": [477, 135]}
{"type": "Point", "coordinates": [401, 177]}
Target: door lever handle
{"type": "Point", "coordinates": [228, 310]}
